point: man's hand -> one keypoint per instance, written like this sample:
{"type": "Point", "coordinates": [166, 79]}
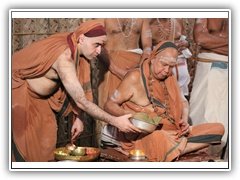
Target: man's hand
{"type": "Point", "coordinates": [124, 125]}
{"type": "Point", "coordinates": [144, 56]}
{"type": "Point", "coordinates": [184, 128]}
{"type": "Point", "coordinates": [146, 53]}
{"type": "Point", "coordinates": [181, 44]}
{"type": "Point", "coordinates": [77, 129]}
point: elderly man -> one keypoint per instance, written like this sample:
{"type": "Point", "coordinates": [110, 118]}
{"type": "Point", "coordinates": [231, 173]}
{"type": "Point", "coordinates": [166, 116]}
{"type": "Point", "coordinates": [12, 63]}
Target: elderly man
{"type": "Point", "coordinates": [52, 76]}
{"type": "Point", "coordinates": [152, 89]}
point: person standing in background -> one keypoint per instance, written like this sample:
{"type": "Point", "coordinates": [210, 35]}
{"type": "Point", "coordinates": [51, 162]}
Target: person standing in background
{"type": "Point", "coordinates": [172, 29]}
{"type": "Point", "coordinates": [129, 41]}
{"type": "Point", "coordinates": [209, 96]}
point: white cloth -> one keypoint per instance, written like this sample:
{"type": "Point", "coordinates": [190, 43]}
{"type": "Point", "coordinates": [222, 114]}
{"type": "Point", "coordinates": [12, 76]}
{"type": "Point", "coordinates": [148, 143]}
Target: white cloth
{"type": "Point", "coordinates": [199, 93]}
{"type": "Point", "coordinates": [213, 56]}
{"type": "Point", "coordinates": [209, 96]}
{"type": "Point", "coordinates": [183, 75]}
{"type": "Point", "coordinates": [109, 134]}
{"type": "Point", "coordinates": [138, 51]}
{"type": "Point", "coordinates": [217, 98]}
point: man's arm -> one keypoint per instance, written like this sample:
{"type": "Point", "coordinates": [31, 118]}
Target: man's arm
{"type": "Point", "coordinates": [185, 112]}
{"type": "Point", "coordinates": [181, 43]}
{"type": "Point", "coordinates": [204, 38]}
{"type": "Point", "coordinates": [146, 38]}
{"type": "Point", "coordinates": [67, 73]}
{"type": "Point", "coordinates": [183, 124]}
{"type": "Point", "coordinates": [123, 93]}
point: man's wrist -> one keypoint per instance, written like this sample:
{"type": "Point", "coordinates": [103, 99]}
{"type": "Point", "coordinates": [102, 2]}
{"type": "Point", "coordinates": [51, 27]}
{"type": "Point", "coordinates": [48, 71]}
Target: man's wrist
{"type": "Point", "coordinates": [111, 120]}
{"type": "Point", "coordinates": [147, 50]}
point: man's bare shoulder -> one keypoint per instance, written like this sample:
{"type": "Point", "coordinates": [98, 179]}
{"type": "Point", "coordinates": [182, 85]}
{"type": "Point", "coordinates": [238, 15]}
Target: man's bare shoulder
{"type": "Point", "coordinates": [133, 75]}
{"type": "Point", "coordinates": [66, 55]}
{"type": "Point", "coordinates": [64, 59]}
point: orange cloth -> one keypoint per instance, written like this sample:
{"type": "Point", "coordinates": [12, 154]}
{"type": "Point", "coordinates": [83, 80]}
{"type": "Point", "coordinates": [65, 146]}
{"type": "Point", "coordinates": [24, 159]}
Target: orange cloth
{"type": "Point", "coordinates": [125, 60]}
{"type": "Point", "coordinates": [160, 145]}
{"type": "Point", "coordinates": [164, 144]}
{"type": "Point", "coordinates": [34, 125]}
{"type": "Point", "coordinates": [174, 97]}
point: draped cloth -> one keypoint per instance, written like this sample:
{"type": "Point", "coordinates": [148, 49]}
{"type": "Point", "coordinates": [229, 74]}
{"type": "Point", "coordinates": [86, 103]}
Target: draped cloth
{"type": "Point", "coordinates": [209, 96]}
{"type": "Point", "coordinates": [34, 127]}
{"type": "Point", "coordinates": [164, 144]}
{"type": "Point", "coordinates": [124, 60]}
{"type": "Point", "coordinates": [166, 147]}
{"type": "Point", "coordinates": [161, 145]}
{"type": "Point", "coordinates": [182, 74]}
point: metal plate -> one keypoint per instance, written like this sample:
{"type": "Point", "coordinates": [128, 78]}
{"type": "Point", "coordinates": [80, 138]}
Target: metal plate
{"type": "Point", "coordinates": [63, 153]}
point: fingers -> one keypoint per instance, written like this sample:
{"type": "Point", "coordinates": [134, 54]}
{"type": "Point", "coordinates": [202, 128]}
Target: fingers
{"type": "Point", "coordinates": [180, 122]}
{"type": "Point", "coordinates": [74, 137]}
{"type": "Point", "coordinates": [127, 126]}
{"type": "Point", "coordinates": [128, 116]}
{"type": "Point", "coordinates": [131, 128]}
{"type": "Point", "coordinates": [135, 129]}
{"type": "Point", "coordinates": [184, 131]}
{"type": "Point", "coordinates": [75, 133]}
{"type": "Point", "coordinates": [185, 128]}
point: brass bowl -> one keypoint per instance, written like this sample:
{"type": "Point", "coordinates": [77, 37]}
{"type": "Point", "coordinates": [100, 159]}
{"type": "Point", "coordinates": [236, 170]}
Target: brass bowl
{"type": "Point", "coordinates": [145, 127]}
{"type": "Point", "coordinates": [71, 147]}
{"type": "Point", "coordinates": [137, 154]}
{"type": "Point", "coordinates": [79, 151]}
{"type": "Point", "coordinates": [63, 153]}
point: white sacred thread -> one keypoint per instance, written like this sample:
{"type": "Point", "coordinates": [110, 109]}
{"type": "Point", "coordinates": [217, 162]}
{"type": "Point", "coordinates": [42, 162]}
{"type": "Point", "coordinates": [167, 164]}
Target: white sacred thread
{"type": "Point", "coordinates": [128, 25]}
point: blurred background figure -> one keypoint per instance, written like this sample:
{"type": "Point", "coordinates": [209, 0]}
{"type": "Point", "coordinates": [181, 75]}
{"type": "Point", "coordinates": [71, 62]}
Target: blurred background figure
{"type": "Point", "coordinates": [129, 41]}
{"type": "Point", "coordinates": [172, 29]}
{"type": "Point", "coordinates": [209, 96]}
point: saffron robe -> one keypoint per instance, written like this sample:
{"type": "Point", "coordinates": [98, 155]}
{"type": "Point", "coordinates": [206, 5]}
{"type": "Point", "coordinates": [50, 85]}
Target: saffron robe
{"type": "Point", "coordinates": [34, 128]}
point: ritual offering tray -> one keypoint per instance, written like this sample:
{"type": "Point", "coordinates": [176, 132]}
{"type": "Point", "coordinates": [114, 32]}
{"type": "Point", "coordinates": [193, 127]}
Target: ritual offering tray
{"type": "Point", "coordinates": [81, 154]}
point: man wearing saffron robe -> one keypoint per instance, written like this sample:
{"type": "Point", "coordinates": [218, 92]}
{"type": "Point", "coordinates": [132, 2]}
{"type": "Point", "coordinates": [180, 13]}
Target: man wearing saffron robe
{"type": "Point", "coordinates": [46, 75]}
{"type": "Point", "coordinates": [152, 89]}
